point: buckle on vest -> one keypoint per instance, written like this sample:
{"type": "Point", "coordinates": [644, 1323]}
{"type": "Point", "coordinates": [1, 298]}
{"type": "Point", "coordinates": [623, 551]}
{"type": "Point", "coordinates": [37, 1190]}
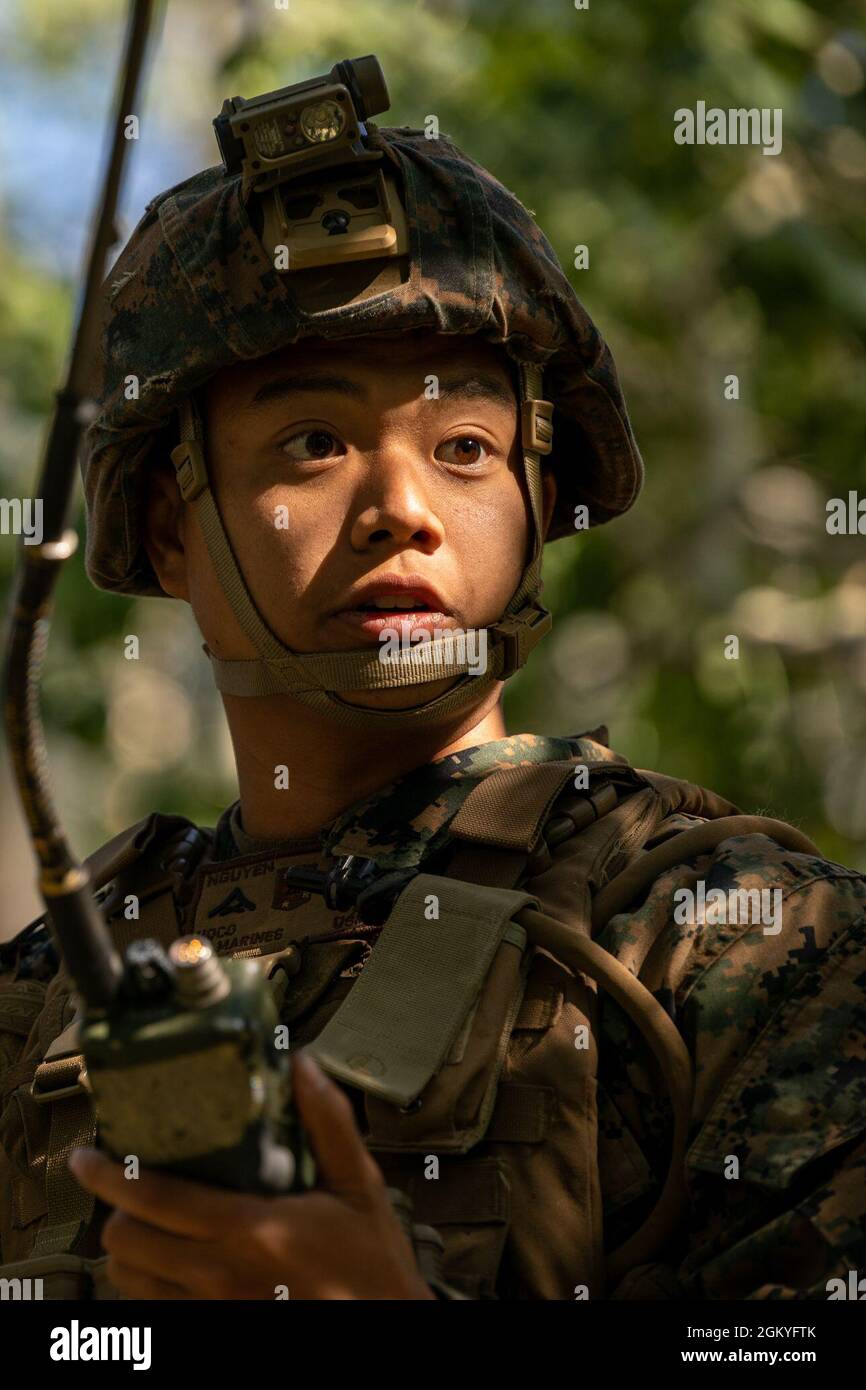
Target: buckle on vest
{"type": "Point", "coordinates": [519, 634]}
{"type": "Point", "coordinates": [51, 1080]}
{"type": "Point", "coordinates": [354, 882]}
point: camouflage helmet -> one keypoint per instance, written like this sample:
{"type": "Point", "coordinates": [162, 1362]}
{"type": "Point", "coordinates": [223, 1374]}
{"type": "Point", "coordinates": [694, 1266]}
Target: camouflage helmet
{"type": "Point", "coordinates": [198, 288]}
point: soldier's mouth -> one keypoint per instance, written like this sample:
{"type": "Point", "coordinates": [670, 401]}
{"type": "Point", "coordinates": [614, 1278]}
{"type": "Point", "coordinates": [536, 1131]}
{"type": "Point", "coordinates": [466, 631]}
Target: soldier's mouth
{"type": "Point", "coordinates": [391, 608]}
{"type": "Point", "coordinates": [376, 620]}
{"type": "Point", "coordinates": [406, 602]}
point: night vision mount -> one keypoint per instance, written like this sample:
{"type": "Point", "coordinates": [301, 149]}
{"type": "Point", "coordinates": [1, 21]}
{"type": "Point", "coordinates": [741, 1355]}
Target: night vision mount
{"type": "Point", "coordinates": [325, 196]}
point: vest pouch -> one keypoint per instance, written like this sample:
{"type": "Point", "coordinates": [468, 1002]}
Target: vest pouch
{"type": "Point", "coordinates": [454, 1110]}
{"type": "Point", "coordinates": [449, 950]}
{"type": "Point", "coordinates": [469, 1205]}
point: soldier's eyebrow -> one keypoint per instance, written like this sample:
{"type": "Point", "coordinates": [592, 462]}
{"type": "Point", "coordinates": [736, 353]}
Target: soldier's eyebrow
{"type": "Point", "coordinates": [478, 386]}
{"type": "Point", "coordinates": [299, 383]}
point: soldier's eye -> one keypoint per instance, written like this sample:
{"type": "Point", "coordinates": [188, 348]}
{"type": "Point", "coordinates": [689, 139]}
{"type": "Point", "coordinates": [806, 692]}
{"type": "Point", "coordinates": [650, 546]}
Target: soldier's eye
{"type": "Point", "coordinates": [466, 450]}
{"type": "Point", "coordinates": [310, 444]}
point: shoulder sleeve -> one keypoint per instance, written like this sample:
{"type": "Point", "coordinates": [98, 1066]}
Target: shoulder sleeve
{"type": "Point", "coordinates": [759, 955]}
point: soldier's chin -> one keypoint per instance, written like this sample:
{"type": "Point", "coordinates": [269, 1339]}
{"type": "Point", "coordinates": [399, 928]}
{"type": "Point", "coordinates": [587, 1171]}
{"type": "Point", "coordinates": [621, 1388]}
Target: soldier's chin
{"type": "Point", "coordinates": [402, 698]}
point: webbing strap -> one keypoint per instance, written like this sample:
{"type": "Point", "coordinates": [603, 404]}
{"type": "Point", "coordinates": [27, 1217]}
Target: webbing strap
{"type": "Point", "coordinates": [509, 643]}
{"type": "Point", "coordinates": [118, 853]}
{"type": "Point", "coordinates": [502, 820]}
{"type": "Point", "coordinates": [399, 1021]}
{"type": "Point", "coordinates": [509, 808]}
{"type": "Point", "coordinates": [316, 678]}
{"type": "Point", "coordinates": [531, 380]}
{"type": "Point", "coordinates": [426, 661]}
{"type": "Point", "coordinates": [70, 1207]}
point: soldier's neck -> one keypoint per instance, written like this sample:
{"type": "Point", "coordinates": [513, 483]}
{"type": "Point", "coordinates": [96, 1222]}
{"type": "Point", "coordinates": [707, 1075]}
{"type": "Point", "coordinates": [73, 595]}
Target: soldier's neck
{"type": "Point", "coordinates": [329, 768]}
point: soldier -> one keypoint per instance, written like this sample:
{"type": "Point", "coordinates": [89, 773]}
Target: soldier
{"type": "Point", "coordinates": [360, 412]}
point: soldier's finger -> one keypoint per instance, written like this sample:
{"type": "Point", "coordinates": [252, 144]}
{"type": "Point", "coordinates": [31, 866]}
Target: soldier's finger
{"type": "Point", "coordinates": [157, 1254]}
{"type": "Point", "coordinates": [135, 1283]}
{"type": "Point", "coordinates": [344, 1161]}
{"type": "Point", "coordinates": [174, 1204]}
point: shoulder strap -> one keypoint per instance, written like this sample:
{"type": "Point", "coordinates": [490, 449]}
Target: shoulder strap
{"type": "Point", "coordinates": [181, 840]}
{"type": "Point", "coordinates": [116, 854]}
{"type": "Point", "coordinates": [501, 823]}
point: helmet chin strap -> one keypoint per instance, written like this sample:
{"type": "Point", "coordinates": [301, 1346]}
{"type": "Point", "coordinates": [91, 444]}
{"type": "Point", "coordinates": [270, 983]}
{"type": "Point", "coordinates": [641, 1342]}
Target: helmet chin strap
{"type": "Point", "coordinates": [316, 678]}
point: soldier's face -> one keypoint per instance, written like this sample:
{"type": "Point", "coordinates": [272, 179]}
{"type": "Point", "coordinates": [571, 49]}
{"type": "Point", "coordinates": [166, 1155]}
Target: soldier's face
{"type": "Point", "coordinates": [344, 470]}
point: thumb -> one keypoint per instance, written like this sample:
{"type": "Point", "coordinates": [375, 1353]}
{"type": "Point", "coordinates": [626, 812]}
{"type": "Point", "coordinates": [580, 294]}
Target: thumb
{"type": "Point", "coordinates": [345, 1163]}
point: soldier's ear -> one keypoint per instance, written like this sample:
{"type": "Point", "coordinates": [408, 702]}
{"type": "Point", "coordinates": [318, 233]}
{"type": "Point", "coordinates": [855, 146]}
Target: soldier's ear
{"type": "Point", "coordinates": [548, 496]}
{"type": "Point", "coordinates": [163, 539]}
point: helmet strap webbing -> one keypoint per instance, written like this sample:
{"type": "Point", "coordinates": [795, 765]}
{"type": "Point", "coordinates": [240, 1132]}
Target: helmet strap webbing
{"type": "Point", "coordinates": [316, 678]}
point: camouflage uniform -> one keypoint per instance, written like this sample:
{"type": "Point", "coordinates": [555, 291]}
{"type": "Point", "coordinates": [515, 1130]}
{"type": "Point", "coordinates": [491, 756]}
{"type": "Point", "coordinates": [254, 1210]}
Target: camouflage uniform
{"type": "Point", "coordinates": [574, 1155]}
{"type": "Point", "coordinates": [774, 1024]}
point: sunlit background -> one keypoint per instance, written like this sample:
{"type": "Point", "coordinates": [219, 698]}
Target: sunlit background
{"type": "Point", "coordinates": [704, 261]}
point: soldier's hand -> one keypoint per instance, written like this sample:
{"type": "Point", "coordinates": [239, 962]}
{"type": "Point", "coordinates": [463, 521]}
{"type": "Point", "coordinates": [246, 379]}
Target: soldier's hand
{"type": "Point", "coordinates": [171, 1238]}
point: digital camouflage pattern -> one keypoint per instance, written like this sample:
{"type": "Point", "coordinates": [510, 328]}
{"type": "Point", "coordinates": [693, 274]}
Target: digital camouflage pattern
{"type": "Point", "coordinates": [408, 819]}
{"type": "Point", "coordinates": [194, 290]}
{"type": "Point", "coordinates": [775, 1025]}
{"type": "Point", "coordinates": [574, 1153]}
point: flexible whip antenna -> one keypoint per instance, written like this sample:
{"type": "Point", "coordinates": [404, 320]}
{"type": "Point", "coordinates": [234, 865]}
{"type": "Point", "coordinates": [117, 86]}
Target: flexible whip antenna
{"type": "Point", "coordinates": [64, 883]}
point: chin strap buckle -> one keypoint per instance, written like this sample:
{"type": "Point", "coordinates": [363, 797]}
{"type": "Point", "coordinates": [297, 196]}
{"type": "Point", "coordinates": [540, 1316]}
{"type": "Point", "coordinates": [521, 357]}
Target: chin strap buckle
{"type": "Point", "coordinates": [190, 470]}
{"type": "Point", "coordinates": [536, 426]}
{"type": "Point", "coordinates": [519, 634]}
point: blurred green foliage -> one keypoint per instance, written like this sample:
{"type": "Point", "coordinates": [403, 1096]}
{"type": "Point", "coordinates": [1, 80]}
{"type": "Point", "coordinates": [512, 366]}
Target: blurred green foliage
{"type": "Point", "coordinates": [703, 262]}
